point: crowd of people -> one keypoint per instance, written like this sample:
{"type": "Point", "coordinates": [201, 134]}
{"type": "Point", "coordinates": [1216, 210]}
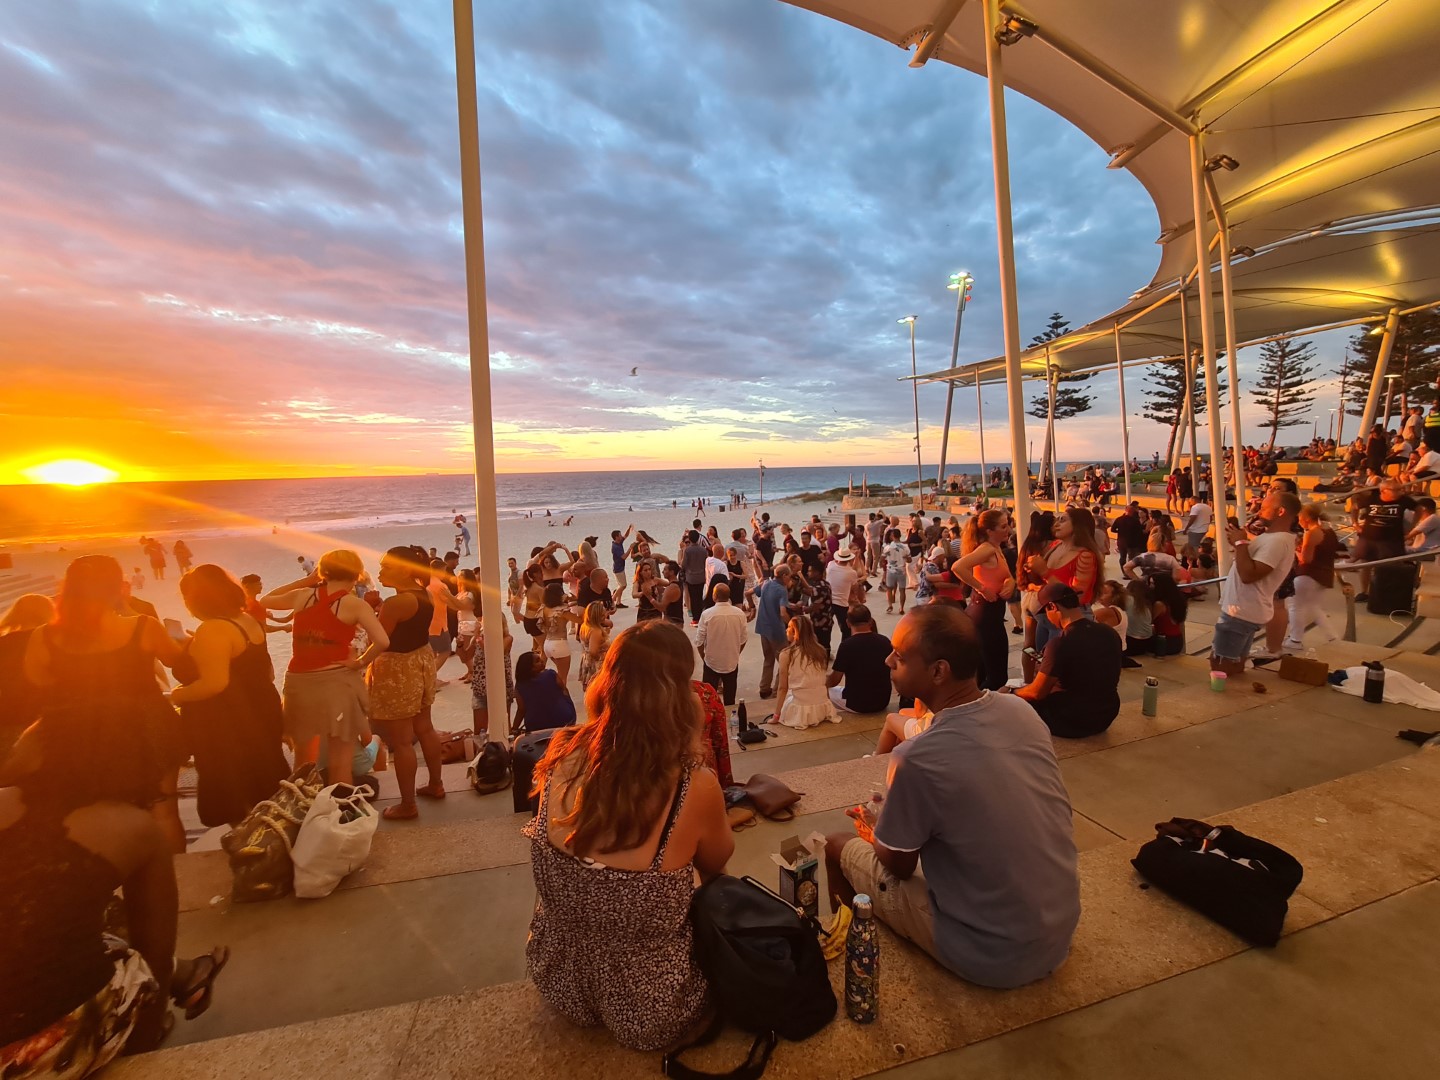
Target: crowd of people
{"type": "Point", "coordinates": [632, 801]}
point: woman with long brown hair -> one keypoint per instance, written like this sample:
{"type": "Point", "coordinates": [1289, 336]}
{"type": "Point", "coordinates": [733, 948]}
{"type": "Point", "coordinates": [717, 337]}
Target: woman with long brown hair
{"type": "Point", "coordinates": [627, 817]}
{"type": "Point", "coordinates": [229, 708]}
{"type": "Point", "coordinates": [987, 573]}
{"type": "Point", "coordinates": [94, 665]}
{"type": "Point", "coordinates": [1030, 577]}
{"type": "Point", "coordinates": [805, 699]}
{"type": "Point", "coordinates": [19, 700]}
{"type": "Point", "coordinates": [1074, 559]}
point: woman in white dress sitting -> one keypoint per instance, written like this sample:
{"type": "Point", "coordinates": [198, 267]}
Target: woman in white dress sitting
{"type": "Point", "coordinates": [801, 686]}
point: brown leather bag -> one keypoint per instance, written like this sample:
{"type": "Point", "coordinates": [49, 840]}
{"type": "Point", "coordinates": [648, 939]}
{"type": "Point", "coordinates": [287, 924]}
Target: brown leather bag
{"type": "Point", "coordinates": [771, 797]}
{"type": "Point", "coordinates": [456, 746]}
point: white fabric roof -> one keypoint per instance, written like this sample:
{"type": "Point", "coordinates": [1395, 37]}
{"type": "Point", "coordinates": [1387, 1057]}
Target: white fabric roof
{"type": "Point", "coordinates": [1330, 107]}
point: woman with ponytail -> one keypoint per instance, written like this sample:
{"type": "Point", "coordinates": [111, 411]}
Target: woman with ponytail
{"type": "Point", "coordinates": [988, 575]}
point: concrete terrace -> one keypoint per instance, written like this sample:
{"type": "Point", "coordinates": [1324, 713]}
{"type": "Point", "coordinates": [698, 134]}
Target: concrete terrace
{"type": "Point", "coordinates": [415, 967]}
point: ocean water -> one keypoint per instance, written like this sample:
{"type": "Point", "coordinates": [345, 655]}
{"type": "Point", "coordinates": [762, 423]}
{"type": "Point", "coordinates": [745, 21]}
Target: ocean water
{"type": "Point", "coordinates": [33, 514]}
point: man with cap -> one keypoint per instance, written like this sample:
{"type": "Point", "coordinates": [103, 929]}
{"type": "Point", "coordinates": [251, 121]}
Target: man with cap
{"type": "Point", "coordinates": [840, 575]}
{"type": "Point", "coordinates": [1076, 691]}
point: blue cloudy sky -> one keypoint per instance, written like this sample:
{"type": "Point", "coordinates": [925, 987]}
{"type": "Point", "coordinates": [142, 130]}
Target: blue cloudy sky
{"type": "Point", "coordinates": [230, 234]}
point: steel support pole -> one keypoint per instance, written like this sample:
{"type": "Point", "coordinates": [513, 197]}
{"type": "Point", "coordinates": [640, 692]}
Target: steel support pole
{"type": "Point", "coordinates": [1232, 348]}
{"type": "Point", "coordinates": [1186, 429]}
{"type": "Point", "coordinates": [487, 526]}
{"type": "Point", "coordinates": [1051, 378]}
{"type": "Point", "coordinates": [1377, 380]}
{"type": "Point", "coordinates": [980, 424]}
{"type": "Point", "coordinates": [915, 390]}
{"type": "Point", "coordinates": [1124, 418]}
{"type": "Point", "coordinates": [1207, 347]}
{"type": "Point", "coordinates": [1005, 246]}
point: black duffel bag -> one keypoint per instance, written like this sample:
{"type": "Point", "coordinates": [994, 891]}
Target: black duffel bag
{"type": "Point", "coordinates": [1242, 883]}
{"type": "Point", "coordinates": [762, 960]}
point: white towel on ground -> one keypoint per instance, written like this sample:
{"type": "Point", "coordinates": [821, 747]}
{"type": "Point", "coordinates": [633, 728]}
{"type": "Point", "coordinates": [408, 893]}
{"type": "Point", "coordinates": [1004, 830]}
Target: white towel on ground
{"type": "Point", "coordinates": [1400, 689]}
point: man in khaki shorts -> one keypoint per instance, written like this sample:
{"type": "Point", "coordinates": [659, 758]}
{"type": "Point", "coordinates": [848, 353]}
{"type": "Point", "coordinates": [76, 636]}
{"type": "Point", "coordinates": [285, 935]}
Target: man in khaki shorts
{"type": "Point", "coordinates": [973, 856]}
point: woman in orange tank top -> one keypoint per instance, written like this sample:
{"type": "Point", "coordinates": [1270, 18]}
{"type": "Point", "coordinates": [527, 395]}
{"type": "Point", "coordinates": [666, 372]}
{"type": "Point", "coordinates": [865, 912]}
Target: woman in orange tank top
{"type": "Point", "coordinates": [988, 575]}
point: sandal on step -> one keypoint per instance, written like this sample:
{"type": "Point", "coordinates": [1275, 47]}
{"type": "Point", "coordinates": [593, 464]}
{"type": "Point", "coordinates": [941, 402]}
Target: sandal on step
{"type": "Point", "coordinates": [431, 791]}
{"type": "Point", "coordinates": [194, 996]}
{"type": "Point", "coordinates": [400, 812]}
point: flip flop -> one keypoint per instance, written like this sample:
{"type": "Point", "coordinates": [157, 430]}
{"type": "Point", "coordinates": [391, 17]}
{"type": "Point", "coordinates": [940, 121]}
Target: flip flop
{"type": "Point", "coordinates": [400, 812]}
{"type": "Point", "coordinates": [194, 996]}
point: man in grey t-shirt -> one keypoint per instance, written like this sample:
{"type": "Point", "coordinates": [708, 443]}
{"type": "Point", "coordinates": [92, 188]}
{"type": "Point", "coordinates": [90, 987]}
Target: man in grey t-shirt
{"type": "Point", "coordinates": [973, 856]}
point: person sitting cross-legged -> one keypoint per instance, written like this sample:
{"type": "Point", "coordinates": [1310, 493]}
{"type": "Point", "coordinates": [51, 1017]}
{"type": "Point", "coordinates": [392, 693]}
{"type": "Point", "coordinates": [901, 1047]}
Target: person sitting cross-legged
{"type": "Point", "coordinates": [1076, 691]}
{"type": "Point", "coordinates": [860, 663]}
{"type": "Point", "coordinates": [972, 857]}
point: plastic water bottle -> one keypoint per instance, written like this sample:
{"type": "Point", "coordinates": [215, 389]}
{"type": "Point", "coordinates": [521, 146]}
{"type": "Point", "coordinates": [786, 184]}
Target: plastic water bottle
{"type": "Point", "coordinates": [862, 964]}
{"type": "Point", "coordinates": [1150, 705]}
{"type": "Point", "coordinates": [1374, 682]}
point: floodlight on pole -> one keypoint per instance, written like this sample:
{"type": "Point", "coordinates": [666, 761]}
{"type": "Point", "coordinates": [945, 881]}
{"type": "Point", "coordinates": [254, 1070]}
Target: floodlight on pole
{"type": "Point", "coordinates": [960, 281]}
{"type": "Point", "coordinates": [915, 393]}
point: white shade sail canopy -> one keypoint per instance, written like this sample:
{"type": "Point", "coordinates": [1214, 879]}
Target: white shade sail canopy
{"type": "Point", "coordinates": [1321, 119]}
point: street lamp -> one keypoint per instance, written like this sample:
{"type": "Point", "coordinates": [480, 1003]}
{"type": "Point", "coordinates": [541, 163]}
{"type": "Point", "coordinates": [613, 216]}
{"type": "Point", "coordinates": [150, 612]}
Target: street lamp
{"type": "Point", "coordinates": [1330, 429]}
{"type": "Point", "coordinates": [960, 281]}
{"type": "Point", "coordinates": [915, 393]}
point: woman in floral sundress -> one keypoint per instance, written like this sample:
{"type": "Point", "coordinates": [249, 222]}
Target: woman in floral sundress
{"type": "Point", "coordinates": [628, 823]}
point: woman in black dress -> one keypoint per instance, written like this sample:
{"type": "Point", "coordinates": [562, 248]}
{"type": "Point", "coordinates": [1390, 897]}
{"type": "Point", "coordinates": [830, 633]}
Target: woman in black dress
{"type": "Point", "coordinates": [230, 711]}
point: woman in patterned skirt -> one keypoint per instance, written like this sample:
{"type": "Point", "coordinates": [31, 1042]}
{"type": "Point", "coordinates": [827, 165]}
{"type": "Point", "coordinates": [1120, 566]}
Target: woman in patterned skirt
{"type": "Point", "coordinates": [627, 818]}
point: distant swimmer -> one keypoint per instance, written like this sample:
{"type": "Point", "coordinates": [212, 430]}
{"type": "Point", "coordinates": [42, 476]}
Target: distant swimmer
{"type": "Point", "coordinates": [569, 519]}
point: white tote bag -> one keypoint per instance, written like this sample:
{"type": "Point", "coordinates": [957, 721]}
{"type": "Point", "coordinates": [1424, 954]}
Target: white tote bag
{"type": "Point", "coordinates": [334, 839]}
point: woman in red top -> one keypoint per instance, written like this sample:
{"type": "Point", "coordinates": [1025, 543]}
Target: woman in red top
{"type": "Point", "coordinates": [1073, 559]}
{"type": "Point", "coordinates": [325, 694]}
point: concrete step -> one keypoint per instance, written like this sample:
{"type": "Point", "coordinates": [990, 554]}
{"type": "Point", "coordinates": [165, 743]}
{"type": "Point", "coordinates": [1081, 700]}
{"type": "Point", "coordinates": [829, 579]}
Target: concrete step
{"type": "Point", "coordinates": [1362, 838]}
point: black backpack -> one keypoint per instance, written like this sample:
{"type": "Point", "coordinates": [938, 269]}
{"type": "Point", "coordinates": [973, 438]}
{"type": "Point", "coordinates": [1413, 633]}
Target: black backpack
{"type": "Point", "coordinates": [490, 771]}
{"type": "Point", "coordinates": [766, 972]}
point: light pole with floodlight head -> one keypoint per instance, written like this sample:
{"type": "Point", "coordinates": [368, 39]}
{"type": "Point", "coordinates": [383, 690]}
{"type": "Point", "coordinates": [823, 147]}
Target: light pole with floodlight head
{"type": "Point", "coordinates": [960, 281]}
{"type": "Point", "coordinates": [915, 393]}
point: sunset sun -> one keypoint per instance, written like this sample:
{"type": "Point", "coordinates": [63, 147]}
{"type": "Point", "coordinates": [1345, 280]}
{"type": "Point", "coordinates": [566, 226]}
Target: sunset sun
{"type": "Point", "coordinates": [71, 472]}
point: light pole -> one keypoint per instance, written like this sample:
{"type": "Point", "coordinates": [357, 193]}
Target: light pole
{"type": "Point", "coordinates": [915, 392]}
{"type": "Point", "coordinates": [960, 282]}
{"type": "Point", "coordinates": [762, 481]}
{"type": "Point", "coordinates": [1330, 428]}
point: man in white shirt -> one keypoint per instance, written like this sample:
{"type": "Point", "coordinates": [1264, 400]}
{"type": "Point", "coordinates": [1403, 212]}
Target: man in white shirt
{"type": "Point", "coordinates": [841, 577]}
{"type": "Point", "coordinates": [720, 639]}
{"type": "Point", "coordinates": [1424, 534]}
{"type": "Point", "coordinates": [1258, 568]}
{"type": "Point", "coordinates": [1194, 528]}
{"type": "Point", "coordinates": [1426, 468]}
{"type": "Point", "coordinates": [874, 541]}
